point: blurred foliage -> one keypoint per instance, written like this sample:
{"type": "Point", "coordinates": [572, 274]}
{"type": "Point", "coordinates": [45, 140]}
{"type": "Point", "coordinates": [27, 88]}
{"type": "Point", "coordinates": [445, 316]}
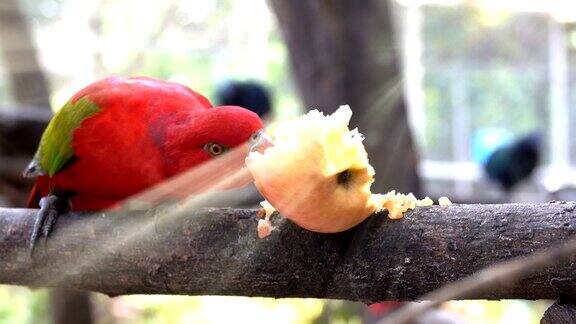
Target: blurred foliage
{"type": "Point", "coordinates": [499, 61]}
{"type": "Point", "coordinates": [473, 34]}
{"type": "Point", "coordinates": [208, 309]}
{"type": "Point", "coordinates": [498, 312]}
{"type": "Point", "coordinates": [195, 43]}
{"type": "Point", "coordinates": [23, 305]}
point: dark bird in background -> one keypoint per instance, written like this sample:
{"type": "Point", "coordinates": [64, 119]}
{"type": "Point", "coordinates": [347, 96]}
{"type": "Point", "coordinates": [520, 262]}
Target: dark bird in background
{"type": "Point", "coordinates": [514, 162]}
{"type": "Point", "coordinates": [248, 94]}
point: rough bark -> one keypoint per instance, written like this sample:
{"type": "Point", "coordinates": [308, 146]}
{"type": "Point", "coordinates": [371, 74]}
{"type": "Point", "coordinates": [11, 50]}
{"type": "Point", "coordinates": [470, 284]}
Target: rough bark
{"type": "Point", "coordinates": [561, 312]}
{"type": "Point", "coordinates": [344, 52]}
{"type": "Point", "coordinates": [217, 252]}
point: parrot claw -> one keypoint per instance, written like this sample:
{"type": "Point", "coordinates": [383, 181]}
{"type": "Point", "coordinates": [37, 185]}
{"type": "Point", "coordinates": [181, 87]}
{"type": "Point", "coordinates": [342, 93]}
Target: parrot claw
{"type": "Point", "coordinates": [45, 220]}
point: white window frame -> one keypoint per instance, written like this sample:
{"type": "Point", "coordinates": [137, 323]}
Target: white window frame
{"type": "Point", "coordinates": [461, 171]}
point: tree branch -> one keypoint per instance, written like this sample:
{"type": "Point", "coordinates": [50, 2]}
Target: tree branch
{"type": "Point", "coordinates": [20, 132]}
{"type": "Point", "coordinates": [21, 129]}
{"type": "Point", "coordinates": [216, 252]}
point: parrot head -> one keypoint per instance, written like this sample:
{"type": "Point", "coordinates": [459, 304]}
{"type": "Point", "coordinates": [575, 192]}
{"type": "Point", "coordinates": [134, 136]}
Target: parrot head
{"type": "Point", "coordinates": [194, 139]}
{"type": "Point", "coordinates": [205, 152]}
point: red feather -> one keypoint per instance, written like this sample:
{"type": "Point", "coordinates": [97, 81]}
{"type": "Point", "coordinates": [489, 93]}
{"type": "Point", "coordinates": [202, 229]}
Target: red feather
{"type": "Point", "coordinates": [147, 131]}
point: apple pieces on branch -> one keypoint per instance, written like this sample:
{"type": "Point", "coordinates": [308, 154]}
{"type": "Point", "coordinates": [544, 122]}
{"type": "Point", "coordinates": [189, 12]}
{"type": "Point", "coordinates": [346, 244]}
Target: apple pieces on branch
{"type": "Point", "coordinates": [316, 173]}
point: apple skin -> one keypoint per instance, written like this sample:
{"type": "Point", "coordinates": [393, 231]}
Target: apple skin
{"type": "Point", "coordinates": [317, 172]}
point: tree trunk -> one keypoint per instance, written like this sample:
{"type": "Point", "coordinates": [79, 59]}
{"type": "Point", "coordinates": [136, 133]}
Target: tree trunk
{"type": "Point", "coordinates": [345, 52]}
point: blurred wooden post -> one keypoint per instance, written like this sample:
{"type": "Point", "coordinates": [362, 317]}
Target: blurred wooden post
{"type": "Point", "coordinates": [346, 52]}
{"type": "Point", "coordinates": [71, 306]}
{"type": "Point", "coordinates": [25, 75]}
{"type": "Point", "coordinates": [559, 74]}
{"type": "Point", "coordinates": [30, 88]}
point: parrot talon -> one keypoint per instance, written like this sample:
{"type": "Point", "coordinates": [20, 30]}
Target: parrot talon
{"type": "Point", "coordinates": [45, 220]}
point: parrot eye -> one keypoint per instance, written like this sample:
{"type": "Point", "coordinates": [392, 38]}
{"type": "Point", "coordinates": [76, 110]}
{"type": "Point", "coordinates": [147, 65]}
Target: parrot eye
{"type": "Point", "coordinates": [214, 149]}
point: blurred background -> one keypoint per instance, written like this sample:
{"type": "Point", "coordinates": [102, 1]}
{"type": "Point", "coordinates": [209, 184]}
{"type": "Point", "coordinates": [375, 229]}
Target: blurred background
{"type": "Point", "coordinates": [470, 99]}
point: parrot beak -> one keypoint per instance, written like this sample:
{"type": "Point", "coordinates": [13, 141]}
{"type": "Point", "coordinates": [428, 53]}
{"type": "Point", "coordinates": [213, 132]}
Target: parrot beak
{"type": "Point", "coordinates": [260, 142]}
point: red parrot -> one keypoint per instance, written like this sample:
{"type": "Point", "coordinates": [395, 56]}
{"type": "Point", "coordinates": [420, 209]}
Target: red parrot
{"type": "Point", "coordinates": [119, 136]}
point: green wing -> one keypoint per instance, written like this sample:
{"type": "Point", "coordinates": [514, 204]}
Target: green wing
{"type": "Point", "coordinates": [55, 149]}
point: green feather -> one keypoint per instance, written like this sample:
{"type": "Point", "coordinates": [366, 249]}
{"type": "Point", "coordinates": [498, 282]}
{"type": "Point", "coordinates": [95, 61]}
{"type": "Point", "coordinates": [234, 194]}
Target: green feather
{"type": "Point", "coordinates": [55, 149]}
